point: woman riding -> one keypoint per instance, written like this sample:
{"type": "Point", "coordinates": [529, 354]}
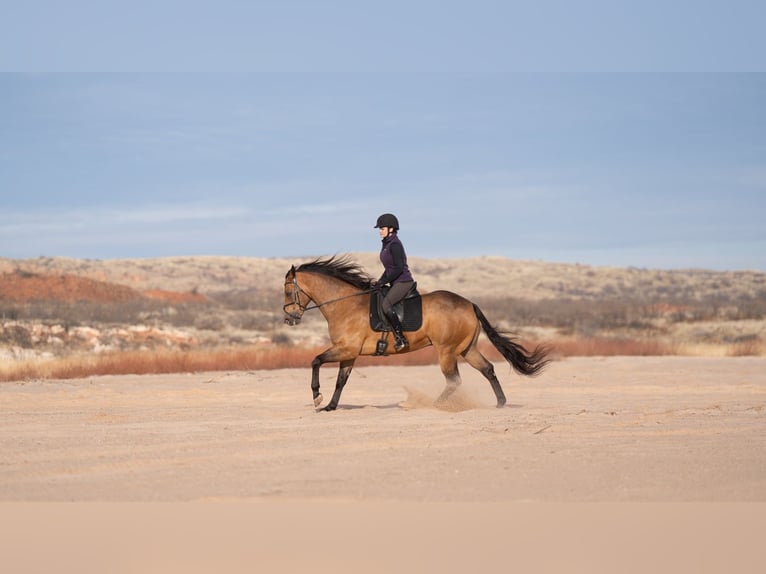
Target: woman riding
{"type": "Point", "coordinates": [396, 273]}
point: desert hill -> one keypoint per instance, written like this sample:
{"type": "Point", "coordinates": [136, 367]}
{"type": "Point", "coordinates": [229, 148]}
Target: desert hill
{"type": "Point", "coordinates": [26, 287]}
{"type": "Point", "coordinates": [482, 277]}
{"type": "Point", "coordinates": [54, 306]}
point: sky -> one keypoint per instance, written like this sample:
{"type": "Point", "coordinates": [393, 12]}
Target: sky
{"type": "Point", "coordinates": [183, 150]}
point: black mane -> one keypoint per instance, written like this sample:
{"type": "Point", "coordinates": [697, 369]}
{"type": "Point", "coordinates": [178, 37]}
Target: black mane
{"type": "Point", "coordinates": [340, 267]}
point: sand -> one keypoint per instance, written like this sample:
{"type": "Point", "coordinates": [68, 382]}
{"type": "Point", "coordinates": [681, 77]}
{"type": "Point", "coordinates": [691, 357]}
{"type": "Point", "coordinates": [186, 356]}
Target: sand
{"type": "Point", "coordinates": [591, 437]}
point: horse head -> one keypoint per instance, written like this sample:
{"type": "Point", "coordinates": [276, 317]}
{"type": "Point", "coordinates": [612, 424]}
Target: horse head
{"type": "Point", "coordinates": [294, 306]}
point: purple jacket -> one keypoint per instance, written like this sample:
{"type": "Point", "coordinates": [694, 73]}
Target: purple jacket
{"type": "Point", "coordinates": [394, 260]}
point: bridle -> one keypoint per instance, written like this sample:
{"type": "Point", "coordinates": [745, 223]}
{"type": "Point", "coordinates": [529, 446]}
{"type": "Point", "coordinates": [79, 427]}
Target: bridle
{"type": "Point", "coordinates": [296, 299]}
{"type": "Point", "coordinates": [296, 295]}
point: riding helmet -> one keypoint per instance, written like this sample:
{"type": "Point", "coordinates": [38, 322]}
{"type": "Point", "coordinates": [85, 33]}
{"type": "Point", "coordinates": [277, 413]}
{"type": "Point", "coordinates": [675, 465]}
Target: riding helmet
{"type": "Point", "coordinates": [388, 220]}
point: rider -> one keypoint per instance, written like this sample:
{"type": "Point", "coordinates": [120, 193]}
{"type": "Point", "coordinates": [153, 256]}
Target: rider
{"type": "Point", "coordinates": [396, 273]}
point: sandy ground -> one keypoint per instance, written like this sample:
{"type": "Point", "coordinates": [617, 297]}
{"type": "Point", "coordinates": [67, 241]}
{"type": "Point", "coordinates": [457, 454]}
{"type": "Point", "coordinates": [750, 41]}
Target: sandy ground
{"type": "Point", "coordinates": [613, 429]}
{"type": "Point", "coordinates": [655, 431]}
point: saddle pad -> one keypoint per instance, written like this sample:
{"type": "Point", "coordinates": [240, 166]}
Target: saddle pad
{"type": "Point", "coordinates": [409, 311]}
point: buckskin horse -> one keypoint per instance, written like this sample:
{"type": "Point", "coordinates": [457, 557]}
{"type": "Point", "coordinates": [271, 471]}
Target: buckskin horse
{"type": "Point", "coordinates": [340, 289]}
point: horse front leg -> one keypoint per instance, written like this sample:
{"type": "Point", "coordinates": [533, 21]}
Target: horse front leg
{"type": "Point", "coordinates": [315, 364]}
{"type": "Point", "coordinates": [343, 372]}
{"type": "Point", "coordinates": [331, 355]}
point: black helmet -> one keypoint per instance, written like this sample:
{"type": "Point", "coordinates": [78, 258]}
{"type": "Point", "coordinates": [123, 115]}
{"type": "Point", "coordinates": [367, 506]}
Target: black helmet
{"type": "Point", "coordinates": [388, 220]}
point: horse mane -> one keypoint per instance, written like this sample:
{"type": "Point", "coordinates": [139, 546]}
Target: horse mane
{"type": "Point", "coordinates": [340, 267]}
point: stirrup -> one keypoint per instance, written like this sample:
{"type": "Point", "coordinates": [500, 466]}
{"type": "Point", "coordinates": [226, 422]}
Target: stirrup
{"type": "Point", "coordinates": [401, 342]}
{"type": "Point", "coordinates": [381, 347]}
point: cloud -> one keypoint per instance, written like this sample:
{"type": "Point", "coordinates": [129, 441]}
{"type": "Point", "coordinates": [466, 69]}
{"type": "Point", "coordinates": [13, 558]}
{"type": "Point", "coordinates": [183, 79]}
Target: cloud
{"type": "Point", "coordinates": [80, 219]}
{"type": "Point", "coordinates": [294, 227]}
{"type": "Point", "coordinates": [176, 213]}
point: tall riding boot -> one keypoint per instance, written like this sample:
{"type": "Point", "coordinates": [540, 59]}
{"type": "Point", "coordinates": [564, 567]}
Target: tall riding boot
{"type": "Point", "coordinates": [401, 340]}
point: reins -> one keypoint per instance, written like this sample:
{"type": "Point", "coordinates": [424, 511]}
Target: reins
{"type": "Point", "coordinates": [317, 306]}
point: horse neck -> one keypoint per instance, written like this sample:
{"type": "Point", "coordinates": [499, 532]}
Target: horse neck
{"type": "Point", "coordinates": [322, 288]}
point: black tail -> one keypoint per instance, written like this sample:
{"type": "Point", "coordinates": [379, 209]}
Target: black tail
{"type": "Point", "coordinates": [523, 362]}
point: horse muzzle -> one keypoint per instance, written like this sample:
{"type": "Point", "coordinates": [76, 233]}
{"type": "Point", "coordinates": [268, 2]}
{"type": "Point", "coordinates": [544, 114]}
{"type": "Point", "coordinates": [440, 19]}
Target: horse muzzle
{"type": "Point", "coordinates": [292, 320]}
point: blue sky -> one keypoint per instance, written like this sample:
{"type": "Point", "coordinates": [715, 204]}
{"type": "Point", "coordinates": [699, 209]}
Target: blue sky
{"type": "Point", "coordinates": [383, 37]}
{"type": "Point", "coordinates": [285, 127]}
{"type": "Point", "coordinates": [648, 170]}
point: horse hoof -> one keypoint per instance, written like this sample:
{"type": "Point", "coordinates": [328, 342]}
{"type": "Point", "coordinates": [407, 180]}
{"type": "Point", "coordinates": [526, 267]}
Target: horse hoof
{"type": "Point", "coordinates": [318, 400]}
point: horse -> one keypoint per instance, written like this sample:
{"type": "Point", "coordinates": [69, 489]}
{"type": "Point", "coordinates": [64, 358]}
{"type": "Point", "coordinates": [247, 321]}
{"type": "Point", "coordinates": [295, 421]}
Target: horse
{"type": "Point", "coordinates": [340, 289]}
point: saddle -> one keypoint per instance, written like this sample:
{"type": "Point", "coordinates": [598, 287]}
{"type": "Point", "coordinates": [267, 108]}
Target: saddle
{"type": "Point", "coordinates": [409, 310]}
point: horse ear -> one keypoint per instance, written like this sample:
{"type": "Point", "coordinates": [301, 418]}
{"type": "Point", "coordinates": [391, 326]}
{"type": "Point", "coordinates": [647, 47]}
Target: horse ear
{"type": "Point", "coordinates": [291, 273]}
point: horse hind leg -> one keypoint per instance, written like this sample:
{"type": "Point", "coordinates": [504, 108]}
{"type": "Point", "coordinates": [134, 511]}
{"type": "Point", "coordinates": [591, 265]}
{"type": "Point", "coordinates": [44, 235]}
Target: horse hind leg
{"type": "Point", "coordinates": [481, 364]}
{"type": "Point", "coordinates": [344, 370]}
{"type": "Point", "coordinates": [448, 364]}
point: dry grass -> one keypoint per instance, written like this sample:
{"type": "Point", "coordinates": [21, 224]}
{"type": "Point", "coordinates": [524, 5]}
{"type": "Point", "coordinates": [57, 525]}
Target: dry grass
{"type": "Point", "coordinates": [175, 361]}
{"type": "Point", "coordinates": [749, 348]}
{"type": "Point", "coordinates": [157, 361]}
{"type": "Point", "coordinates": [279, 357]}
{"type": "Point", "coordinates": [603, 347]}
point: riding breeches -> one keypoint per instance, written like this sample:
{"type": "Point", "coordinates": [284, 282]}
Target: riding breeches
{"type": "Point", "coordinates": [395, 294]}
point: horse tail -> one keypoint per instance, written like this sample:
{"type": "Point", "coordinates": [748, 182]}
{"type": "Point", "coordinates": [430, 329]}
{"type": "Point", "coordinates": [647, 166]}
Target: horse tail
{"type": "Point", "coordinates": [524, 362]}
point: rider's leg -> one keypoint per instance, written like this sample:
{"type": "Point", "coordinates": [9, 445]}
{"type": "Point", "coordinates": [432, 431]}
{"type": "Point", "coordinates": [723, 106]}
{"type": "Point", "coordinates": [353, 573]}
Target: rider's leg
{"type": "Point", "coordinates": [394, 295]}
